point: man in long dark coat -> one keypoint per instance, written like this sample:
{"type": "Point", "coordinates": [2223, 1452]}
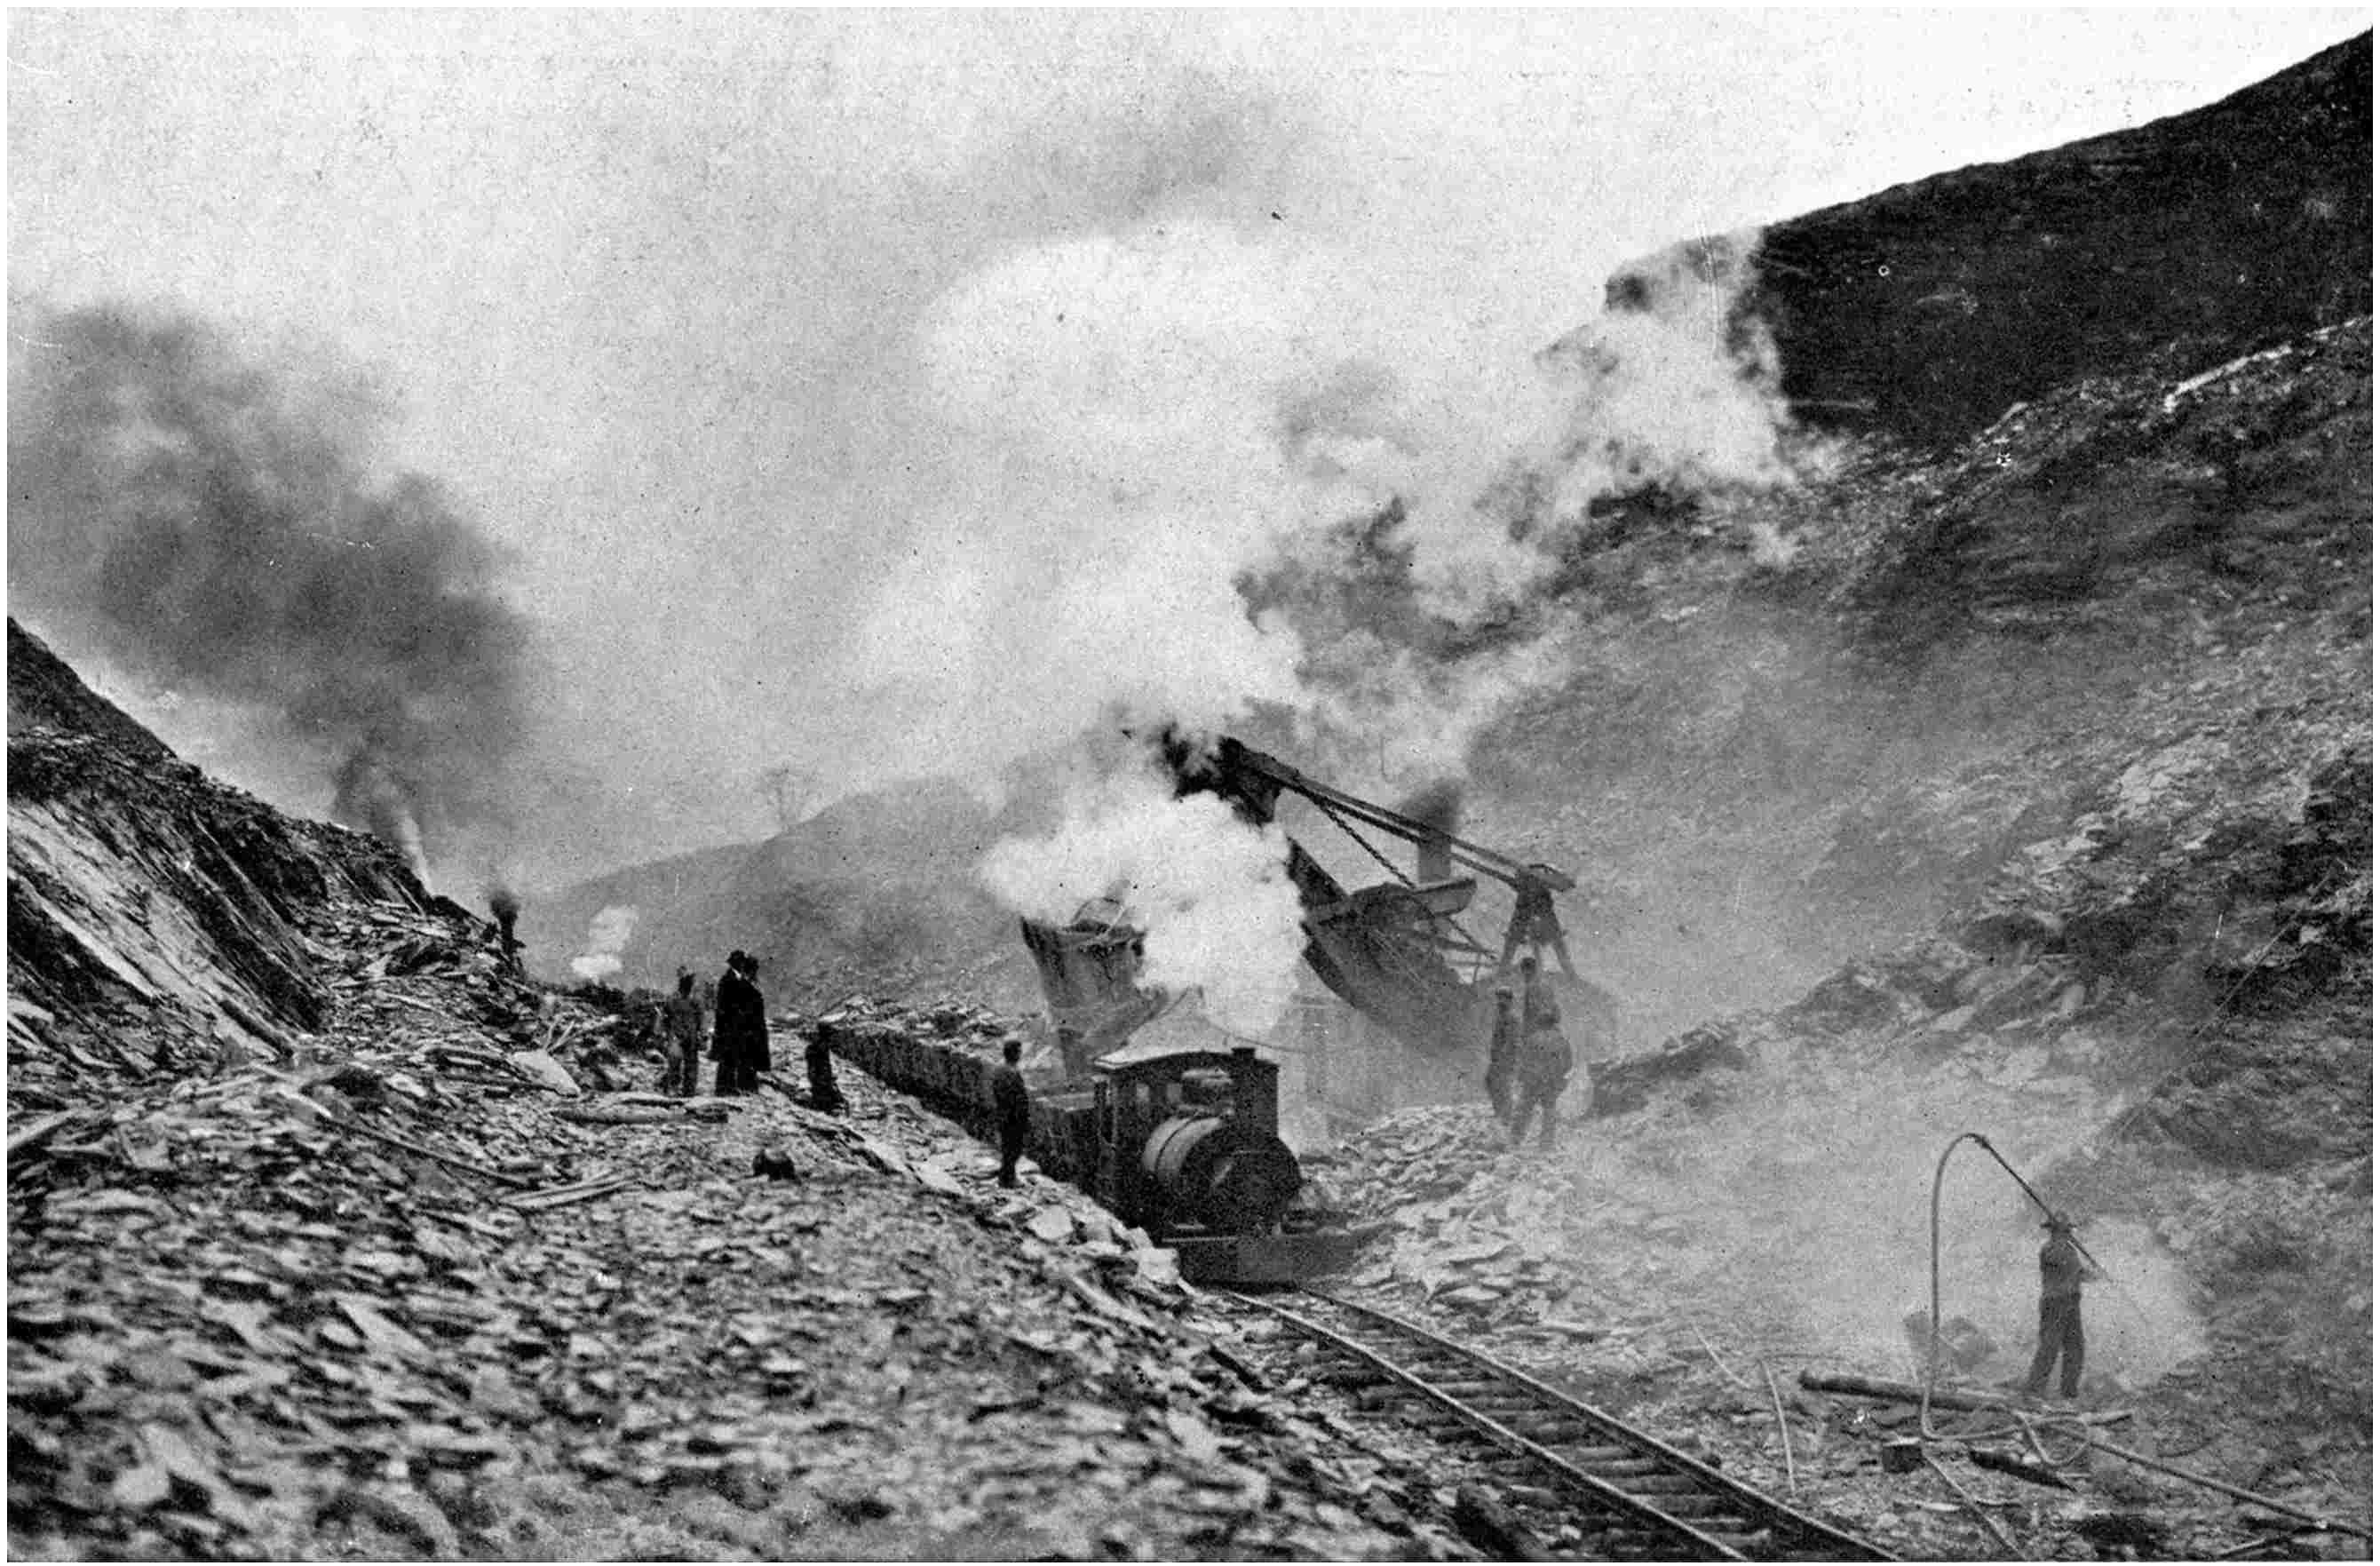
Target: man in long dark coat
{"type": "Point", "coordinates": [739, 1031]}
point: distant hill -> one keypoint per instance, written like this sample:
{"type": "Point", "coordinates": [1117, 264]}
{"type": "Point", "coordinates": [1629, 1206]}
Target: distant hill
{"type": "Point", "coordinates": [1925, 311]}
{"type": "Point", "coordinates": [875, 892]}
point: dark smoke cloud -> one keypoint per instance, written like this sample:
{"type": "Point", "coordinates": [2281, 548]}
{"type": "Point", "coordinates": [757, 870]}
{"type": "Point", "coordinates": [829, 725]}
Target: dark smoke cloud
{"type": "Point", "coordinates": [197, 519]}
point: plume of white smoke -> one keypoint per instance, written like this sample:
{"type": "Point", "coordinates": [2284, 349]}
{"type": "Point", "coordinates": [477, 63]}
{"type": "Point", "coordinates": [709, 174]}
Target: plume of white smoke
{"type": "Point", "coordinates": [1380, 720]}
{"type": "Point", "coordinates": [1140, 422]}
{"type": "Point", "coordinates": [607, 937]}
{"type": "Point", "coordinates": [1676, 384]}
{"type": "Point", "coordinates": [1145, 424]}
{"type": "Point", "coordinates": [1211, 892]}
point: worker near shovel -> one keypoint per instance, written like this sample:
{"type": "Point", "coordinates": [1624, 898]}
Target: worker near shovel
{"type": "Point", "coordinates": [2064, 1271]}
{"type": "Point", "coordinates": [1544, 1066]}
{"type": "Point", "coordinates": [1504, 1053]}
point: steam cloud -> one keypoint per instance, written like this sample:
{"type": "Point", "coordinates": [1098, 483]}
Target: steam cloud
{"type": "Point", "coordinates": [1211, 892]}
{"type": "Point", "coordinates": [1211, 471]}
{"type": "Point", "coordinates": [198, 520]}
{"type": "Point", "coordinates": [607, 937]}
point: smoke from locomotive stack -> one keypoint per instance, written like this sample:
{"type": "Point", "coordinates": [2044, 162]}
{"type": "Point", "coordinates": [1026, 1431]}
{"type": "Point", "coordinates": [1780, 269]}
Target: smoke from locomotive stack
{"type": "Point", "coordinates": [189, 517]}
{"type": "Point", "coordinates": [370, 798]}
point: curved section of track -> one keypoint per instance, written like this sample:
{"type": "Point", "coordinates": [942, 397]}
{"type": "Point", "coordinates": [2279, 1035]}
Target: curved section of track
{"type": "Point", "coordinates": [1632, 1496]}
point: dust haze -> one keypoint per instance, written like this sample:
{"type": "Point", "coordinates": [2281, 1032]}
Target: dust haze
{"type": "Point", "coordinates": [1058, 387]}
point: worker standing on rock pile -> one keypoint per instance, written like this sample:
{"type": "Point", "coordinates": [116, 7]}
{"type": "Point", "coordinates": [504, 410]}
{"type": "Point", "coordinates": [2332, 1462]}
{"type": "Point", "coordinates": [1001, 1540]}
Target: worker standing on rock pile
{"type": "Point", "coordinates": [740, 1032]}
{"type": "Point", "coordinates": [1012, 1105]}
{"type": "Point", "coordinates": [1502, 1052]}
{"type": "Point", "coordinates": [682, 1038]}
{"type": "Point", "coordinates": [2063, 1273]}
{"type": "Point", "coordinates": [1545, 1062]}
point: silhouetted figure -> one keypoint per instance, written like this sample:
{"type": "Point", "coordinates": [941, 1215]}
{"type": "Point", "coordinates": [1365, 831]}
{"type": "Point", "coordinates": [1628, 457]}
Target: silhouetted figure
{"type": "Point", "coordinates": [681, 1039]}
{"type": "Point", "coordinates": [739, 1031]}
{"type": "Point", "coordinates": [1534, 924]}
{"type": "Point", "coordinates": [507, 911]}
{"type": "Point", "coordinates": [2063, 1271]}
{"type": "Point", "coordinates": [1504, 1053]}
{"type": "Point", "coordinates": [825, 1096]}
{"type": "Point", "coordinates": [1545, 1058]}
{"type": "Point", "coordinates": [756, 1031]}
{"type": "Point", "coordinates": [1012, 1105]}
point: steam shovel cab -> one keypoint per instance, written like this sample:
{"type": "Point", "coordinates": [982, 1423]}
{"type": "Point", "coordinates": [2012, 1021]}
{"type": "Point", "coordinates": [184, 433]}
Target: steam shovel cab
{"type": "Point", "coordinates": [1187, 1150]}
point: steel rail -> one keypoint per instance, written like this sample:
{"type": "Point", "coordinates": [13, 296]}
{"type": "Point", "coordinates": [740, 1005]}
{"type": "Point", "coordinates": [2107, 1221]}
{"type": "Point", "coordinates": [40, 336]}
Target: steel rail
{"type": "Point", "coordinates": [1795, 1534]}
{"type": "Point", "coordinates": [1606, 1494]}
{"type": "Point", "coordinates": [1763, 1505]}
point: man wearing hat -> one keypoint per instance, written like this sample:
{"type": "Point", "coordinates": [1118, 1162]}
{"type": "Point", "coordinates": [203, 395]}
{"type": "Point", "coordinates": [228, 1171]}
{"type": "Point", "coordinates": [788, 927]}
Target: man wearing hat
{"type": "Point", "coordinates": [739, 1015]}
{"type": "Point", "coordinates": [2063, 1271]}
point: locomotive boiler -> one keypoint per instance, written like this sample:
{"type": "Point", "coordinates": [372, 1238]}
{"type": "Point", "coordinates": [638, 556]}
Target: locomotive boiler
{"type": "Point", "coordinates": [1188, 1148]}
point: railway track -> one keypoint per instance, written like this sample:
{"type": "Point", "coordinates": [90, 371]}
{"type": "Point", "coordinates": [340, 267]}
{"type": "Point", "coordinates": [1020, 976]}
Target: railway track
{"type": "Point", "coordinates": [1631, 1496]}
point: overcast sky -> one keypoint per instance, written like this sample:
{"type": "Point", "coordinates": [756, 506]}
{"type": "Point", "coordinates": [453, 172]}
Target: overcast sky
{"type": "Point", "coordinates": [650, 289]}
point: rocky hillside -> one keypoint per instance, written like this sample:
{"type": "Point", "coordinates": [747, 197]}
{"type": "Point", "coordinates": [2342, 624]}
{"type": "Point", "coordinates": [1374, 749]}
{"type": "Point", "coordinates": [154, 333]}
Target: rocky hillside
{"type": "Point", "coordinates": [154, 914]}
{"type": "Point", "coordinates": [1927, 309]}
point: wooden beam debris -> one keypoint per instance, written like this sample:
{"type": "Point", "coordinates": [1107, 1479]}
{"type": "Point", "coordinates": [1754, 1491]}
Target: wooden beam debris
{"type": "Point", "coordinates": [1901, 1391]}
{"type": "Point", "coordinates": [569, 1196]}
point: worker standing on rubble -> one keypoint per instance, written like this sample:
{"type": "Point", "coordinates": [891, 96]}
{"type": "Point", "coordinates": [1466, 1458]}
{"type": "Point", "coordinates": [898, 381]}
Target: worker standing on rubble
{"type": "Point", "coordinates": [2063, 1273]}
{"type": "Point", "coordinates": [739, 1031]}
{"type": "Point", "coordinates": [825, 1096]}
{"type": "Point", "coordinates": [1503, 1052]}
{"type": "Point", "coordinates": [1012, 1105]}
{"type": "Point", "coordinates": [682, 1038]}
{"type": "Point", "coordinates": [756, 1031]}
{"type": "Point", "coordinates": [1544, 1067]}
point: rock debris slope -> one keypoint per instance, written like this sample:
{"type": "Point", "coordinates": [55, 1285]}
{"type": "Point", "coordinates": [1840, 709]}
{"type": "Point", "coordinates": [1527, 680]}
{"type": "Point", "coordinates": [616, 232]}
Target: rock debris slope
{"type": "Point", "coordinates": [325, 1238]}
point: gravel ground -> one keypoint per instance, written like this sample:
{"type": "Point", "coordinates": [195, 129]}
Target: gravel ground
{"type": "Point", "coordinates": [301, 1310]}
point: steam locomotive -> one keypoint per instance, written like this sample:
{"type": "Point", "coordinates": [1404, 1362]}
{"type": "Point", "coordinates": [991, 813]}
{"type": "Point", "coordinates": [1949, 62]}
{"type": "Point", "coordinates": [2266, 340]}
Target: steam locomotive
{"type": "Point", "coordinates": [1185, 1145]}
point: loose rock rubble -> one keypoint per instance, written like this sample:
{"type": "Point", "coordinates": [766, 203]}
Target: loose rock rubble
{"type": "Point", "coordinates": [1681, 1264]}
{"type": "Point", "coordinates": [400, 1296]}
